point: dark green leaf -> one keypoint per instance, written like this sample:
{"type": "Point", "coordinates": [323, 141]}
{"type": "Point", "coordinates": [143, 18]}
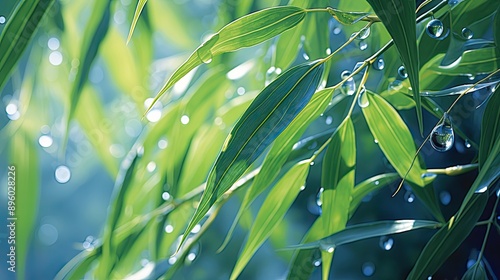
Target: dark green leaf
{"type": "Point", "coordinates": [399, 18]}
{"type": "Point", "coordinates": [272, 211]}
{"type": "Point", "coordinates": [365, 231]}
{"type": "Point", "coordinates": [476, 272]}
{"type": "Point", "coordinates": [490, 127]}
{"type": "Point", "coordinates": [449, 237]}
{"type": "Point", "coordinates": [18, 32]}
{"type": "Point", "coordinates": [347, 17]}
{"type": "Point", "coordinates": [244, 32]}
{"type": "Point", "coordinates": [268, 115]}
{"type": "Point", "coordinates": [472, 62]}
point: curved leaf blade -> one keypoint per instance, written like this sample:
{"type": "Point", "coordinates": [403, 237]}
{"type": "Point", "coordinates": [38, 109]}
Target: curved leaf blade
{"type": "Point", "coordinates": [399, 17]}
{"type": "Point", "coordinates": [18, 32]}
{"type": "Point", "coordinates": [246, 31]}
{"type": "Point", "coordinates": [272, 212]}
{"type": "Point", "coordinates": [369, 185]}
{"type": "Point", "coordinates": [268, 115]}
{"type": "Point", "coordinates": [490, 127]}
{"type": "Point", "coordinates": [137, 13]}
{"type": "Point", "coordinates": [476, 272]}
{"type": "Point", "coordinates": [347, 17]}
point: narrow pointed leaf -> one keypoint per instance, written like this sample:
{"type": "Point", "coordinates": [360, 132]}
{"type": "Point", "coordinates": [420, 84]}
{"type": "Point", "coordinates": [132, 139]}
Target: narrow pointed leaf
{"type": "Point", "coordinates": [347, 17]}
{"type": "Point", "coordinates": [449, 238]}
{"type": "Point", "coordinates": [368, 230]}
{"type": "Point", "coordinates": [394, 137]}
{"type": "Point", "coordinates": [137, 13]}
{"type": "Point", "coordinates": [476, 272]}
{"type": "Point", "coordinates": [369, 185]}
{"type": "Point", "coordinates": [490, 127]}
{"type": "Point", "coordinates": [244, 32]}
{"type": "Point", "coordinates": [281, 149]}
{"type": "Point", "coordinates": [18, 32]}
{"type": "Point", "coordinates": [398, 16]}
{"type": "Point", "coordinates": [478, 61]}
{"type": "Point", "coordinates": [272, 212]}
{"type": "Point", "coordinates": [268, 115]}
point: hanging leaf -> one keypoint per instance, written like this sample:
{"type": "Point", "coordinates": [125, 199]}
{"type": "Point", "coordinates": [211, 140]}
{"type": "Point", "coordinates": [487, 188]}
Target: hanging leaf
{"type": "Point", "coordinates": [244, 32]}
{"type": "Point", "coordinates": [268, 115]}
{"type": "Point", "coordinates": [347, 17]}
{"type": "Point", "coordinates": [272, 211]}
{"type": "Point", "coordinates": [18, 32]}
{"type": "Point", "coordinates": [398, 16]}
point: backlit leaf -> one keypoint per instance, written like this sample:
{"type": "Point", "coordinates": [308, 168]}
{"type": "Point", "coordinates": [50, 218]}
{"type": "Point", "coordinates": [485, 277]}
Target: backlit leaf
{"type": "Point", "coordinates": [268, 115]}
{"type": "Point", "coordinates": [490, 127]}
{"type": "Point", "coordinates": [244, 32]}
{"type": "Point", "coordinates": [137, 13]}
{"type": "Point", "coordinates": [346, 17]}
{"type": "Point", "coordinates": [478, 61]}
{"type": "Point", "coordinates": [272, 212]}
{"type": "Point", "coordinates": [398, 16]}
{"type": "Point", "coordinates": [476, 272]}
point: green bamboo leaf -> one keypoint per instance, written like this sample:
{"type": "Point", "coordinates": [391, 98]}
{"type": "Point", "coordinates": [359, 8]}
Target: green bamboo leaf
{"type": "Point", "coordinates": [449, 237]}
{"type": "Point", "coordinates": [268, 115]}
{"type": "Point", "coordinates": [288, 46]}
{"type": "Point", "coordinates": [496, 28]}
{"type": "Point", "coordinates": [490, 127]}
{"type": "Point", "coordinates": [280, 151]}
{"type": "Point", "coordinates": [24, 164]}
{"type": "Point", "coordinates": [95, 31]}
{"type": "Point", "coordinates": [272, 211]}
{"type": "Point", "coordinates": [316, 38]}
{"type": "Point", "coordinates": [476, 272]}
{"type": "Point", "coordinates": [18, 32]}
{"type": "Point", "coordinates": [398, 16]}
{"type": "Point", "coordinates": [369, 185]}
{"type": "Point", "coordinates": [490, 170]}
{"type": "Point", "coordinates": [472, 62]}
{"type": "Point", "coordinates": [244, 32]}
{"type": "Point", "coordinates": [367, 230]}
{"type": "Point", "coordinates": [137, 13]}
{"type": "Point", "coordinates": [394, 138]}
{"type": "Point", "coordinates": [78, 266]}
{"type": "Point", "coordinates": [347, 17]}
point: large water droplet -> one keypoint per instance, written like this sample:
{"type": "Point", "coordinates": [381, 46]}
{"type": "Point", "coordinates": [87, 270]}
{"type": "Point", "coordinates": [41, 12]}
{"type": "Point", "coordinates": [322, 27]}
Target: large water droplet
{"type": "Point", "coordinates": [368, 269]}
{"type": "Point", "coordinates": [386, 243]}
{"type": "Point", "coordinates": [336, 30]}
{"type": "Point", "coordinates": [445, 197]}
{"type": "Point", "coordinates": [363, 98]}
{"type": "Point", "coordinates": [62, 174]}
{"type": "Point", "coordinates": [204, 52]}
{"type": "Point", "coordinates": [402, 72]}
{"type": "Point", "coordinates": [467, 33]}
{"type": "Point", "coordinates": [89, 243]}
{"type": "Point", "coordinates": [364, 33]}
{"type": "Point", "coordinates": [442, 136]}
{"type": "Point", "coordinates": [434, 28]}
{"type": "Point", "coordinates": [379, 64]}
{"type": "Point", "coordinates": [349, 86]}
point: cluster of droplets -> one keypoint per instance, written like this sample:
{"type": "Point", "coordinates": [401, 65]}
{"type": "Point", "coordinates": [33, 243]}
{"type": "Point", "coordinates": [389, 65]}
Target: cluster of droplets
{"type": "Point", "coordinates": [361, 36]}
{"type": "Point", "coordinates": [362, 98]}
{"type": "Point", "coordinates": [442, 136]}
{"type": "Point", "coordinates": [436, 30]}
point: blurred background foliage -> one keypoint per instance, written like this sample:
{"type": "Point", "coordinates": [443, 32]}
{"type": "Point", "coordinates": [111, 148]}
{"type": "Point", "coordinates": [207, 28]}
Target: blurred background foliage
{"type": "Point", "coordinates": [99, 181]}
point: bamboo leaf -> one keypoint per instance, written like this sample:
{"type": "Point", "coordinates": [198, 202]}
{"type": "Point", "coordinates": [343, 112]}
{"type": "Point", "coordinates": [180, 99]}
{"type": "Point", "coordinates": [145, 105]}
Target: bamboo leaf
{"type": "Point", "coordinates": [449, 237]}
{"type": "Point", "coordinates": [394, 137]}
{"type": "Point", "coordinates": [490, 127]}
{"type": "Point", "coordinates": [272, 212]}
{"type": "Point", "coordinates": [347, 17]}
{"type": "Point", "coordinates": [476, 272]}
{"type": "Point", "coordinates": [281, 149]}
{"type": "Point", "coordinates": [137, 13]}
{"type": "Point", "coordinates": [398, 16]}
{"type": "Point", "coordinates": [369, 185]}
{"type": "Point", "coordinates": [368, 230]}
{"type": "Point", "coordinates": [244, 32]}
{"type": "Point", "coordinates": [478, 61]}
{"type": "Point", "coordinates": [268, 115]}
{"type": "Point", "coordinates": [18, 32]}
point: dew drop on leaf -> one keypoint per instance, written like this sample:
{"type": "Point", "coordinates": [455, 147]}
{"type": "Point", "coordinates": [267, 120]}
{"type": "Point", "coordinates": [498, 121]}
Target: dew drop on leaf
{"type": "Point", "coordinates": [402, 72]}
{"type": "Point", "coordinates": [364, 33]}
{"type": "Point", "coordinates": [319, 201]}
{"type": "Point", "coordinates": [362, 98]}
{"type": "Point", "coordinates": [386, 243]}
{"type": "Point", "coordinates": [363, 45]}
{"type": "Point", "coordinates": [467, 143]}
{"type": "Point", "coordinates": [434, 28]}
{"type": "Point", "coordinates": [316, 258]}
{"type": "Point", "coordinates": [349, 86]}
{"type": "Point", "coordinates": [467, 33]}
{"type": "Point", "coordinates": [442, 136]}
{"type": "Point", "coordinates": [379, 64]}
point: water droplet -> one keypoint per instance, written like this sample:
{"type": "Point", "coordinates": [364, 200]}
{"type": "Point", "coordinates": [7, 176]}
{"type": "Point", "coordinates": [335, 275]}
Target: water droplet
{"type": "Point", "coordinates": [204, 52]}
{"type": "Point", "coordinates": [467, 33]}
{"type": "Point", "coordinates": [434, 28]}
{"type": "Point", "coordinates": [379, 64]}
{"type": "Point", "coordinates": [402, 72]}
{"type": "Point", "coordinates": [169, 228]}
{"type": "Point", "coordinates": [316, 258]}
{"type": "Point", "coordinates": [445, 197]}
{"type": "Point", "coordinates": [467, 143]}
{"type": "Point", "coordinates": [377, 182]}
{"type": "Point", "coordinates": [63, 174]}
{"type": "Point", "coordinates": [319, 201]}
{"type": "Point", "coordinates": [363, 45]}
{"type": "Point", "coordinates": [166, 196]}
{"type": "Point", "coordinates": [362, 98]}
{"type": "Point", "coordinates": [89, 243]}
{"type": "Point", "coordinates": [328, 51]}
{"type": "Point", "coordinates": [151, 166]}
{"type": "Point", "coordinates": [386, 243]}
{"type": "Point", "coordinates": [312, 163]}
{"type": "Point", "coordinates": [471, 77]}
{"type": "Point", "coordinates": [364, 33]}
{"type": "Point", "coordinates": [172, 260]}
{"type": "Point", "coordinates": [368, 269]}
{"type": "Point", "coordinates": [53, 43]}
{"type": "Point", "coordinates": [196, 229]}
{"type": "Point", "coordinates": [375, 141]}
{"type": "Point", "coordinates": [481, 189]}
{"type": "Point", "coordinates": [193, 253]}
{"type": "Point", "coordinates": [162, 144]}
{"type": "Point", "coordinates": [329, 120]}
{"type": "Point", "coordinates": [409, 197]}
{"type": "Point", "coordinates": [55, 58]}
{"type": "Point", "coordinates": [356, 67]}
{"type": "Point", "coordinates": [45, 141]}
{"type": "Point", "coordinates": [303, 187]}
{"type": "Point", "coordinates": [240, 90]}
{"type": "Point", "coordinates": [395, 85]}
{"type": "Point", "coordinates": [48, 234]}
{"type": "Point", "coordinates": [349, 86]}
{"type": "Point", "coordinates": [337, 30]}
{"type": "Point", "coordinates": [305, 56]}
{"type": "Point", "coordinates": [140, 151]}
{"type": "Point", "coordinates": [184, 119]}
{"type": "Point", "coordinates": [2, 19]}
{"type": "Point", "coordinates": [442, 136]}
